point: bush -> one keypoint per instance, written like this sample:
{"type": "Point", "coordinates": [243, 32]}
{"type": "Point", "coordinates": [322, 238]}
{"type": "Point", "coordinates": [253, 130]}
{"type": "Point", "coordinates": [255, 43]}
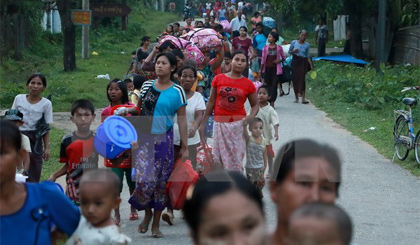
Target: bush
{"type": "Point", "coordinates": [362, 86]}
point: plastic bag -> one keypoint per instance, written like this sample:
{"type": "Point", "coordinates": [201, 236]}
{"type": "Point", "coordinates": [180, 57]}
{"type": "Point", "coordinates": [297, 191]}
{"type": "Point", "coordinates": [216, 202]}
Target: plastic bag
{"type": "Point", "coordinates": [182, 177]}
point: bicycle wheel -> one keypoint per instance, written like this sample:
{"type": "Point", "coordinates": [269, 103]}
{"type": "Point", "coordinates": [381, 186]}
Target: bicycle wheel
{"type": "Point", "coordinates": [416, 147]}
{"type": "Point", "coordinates": [401, 134]}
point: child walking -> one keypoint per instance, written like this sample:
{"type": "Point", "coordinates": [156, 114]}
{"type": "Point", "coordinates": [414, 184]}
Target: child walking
{"type": "Point", "coordinates": [77, 151]}
{"type": "Point", "coordinates": [16, 117]}
{"type": "Point", "coordinates": [117, 95]}
{"type": "Point", "coordinates": [96, 226]}
{"type": "Point", "coordinates": [270, 119]}
{"type": "Point", "coordinates": [256, 153]}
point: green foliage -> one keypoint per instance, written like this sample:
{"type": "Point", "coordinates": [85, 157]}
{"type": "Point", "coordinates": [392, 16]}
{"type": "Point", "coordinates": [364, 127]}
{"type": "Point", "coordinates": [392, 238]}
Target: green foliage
{"type": "Point", "coordinates": [362, 86]}
{"type": "Point", "coordinates": [358, 98]}
{"type": "Point", "coordinates": [52, 165]}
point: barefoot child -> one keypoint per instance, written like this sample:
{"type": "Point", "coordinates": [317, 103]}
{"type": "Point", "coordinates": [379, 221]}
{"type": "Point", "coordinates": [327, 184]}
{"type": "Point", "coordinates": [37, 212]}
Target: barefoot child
{"type": "Point", "coordinates": [270, 119]}
{"type": "Point", "coordinates": [118, 95]}
{"type": "Point", "coordinates": [77, 151]}
{"type": "Point", "coordinates": [99, 194]}
{"type": "Point", "coordinates": [256, 153]}
{"type": "Point", "coordinates": [320, 223]}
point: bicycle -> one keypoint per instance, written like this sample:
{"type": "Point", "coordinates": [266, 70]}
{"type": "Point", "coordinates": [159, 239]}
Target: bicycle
{"type": "Point", "coordinates": [404, 137]}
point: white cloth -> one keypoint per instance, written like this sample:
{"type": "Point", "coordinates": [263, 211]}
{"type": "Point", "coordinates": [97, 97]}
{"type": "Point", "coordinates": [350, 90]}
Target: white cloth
{"type": "Point", "coordinates": [26, 144]}
{"type": "Point", "coordinates": [236, 24]}
{"type": "Point", "coordinates": [270, 118]}
{"type": "Point", "coordinates": [208, 5]}
{"type": "Point", "coordinates": [88, 234]}
{"type": "Point", "coordinates": [195, 103]}
{"type": "Point", "coordinates": [32, 112]}
{"type": "Point", "coordinates": [240, 5]}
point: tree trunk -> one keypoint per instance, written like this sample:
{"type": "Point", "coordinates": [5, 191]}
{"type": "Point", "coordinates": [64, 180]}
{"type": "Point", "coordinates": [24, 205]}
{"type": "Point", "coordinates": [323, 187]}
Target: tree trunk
{"type": "Point", "coordinates": [355, 12]}
{"type": "Point", "coordinates": [69, 35]}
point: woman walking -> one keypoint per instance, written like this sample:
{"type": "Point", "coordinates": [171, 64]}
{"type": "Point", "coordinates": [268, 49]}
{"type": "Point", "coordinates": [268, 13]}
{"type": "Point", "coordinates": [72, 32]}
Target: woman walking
{"type": "Point", "coordinates": [34, 107]}
{"type": "Point", "coordinates": [301, 64]}
{"type": "Point", "coordinates": [228, 95]}
{"type": "Point", "coordinates": [160, 100]}
{"type": "Point", "coordinates": [272, 56]}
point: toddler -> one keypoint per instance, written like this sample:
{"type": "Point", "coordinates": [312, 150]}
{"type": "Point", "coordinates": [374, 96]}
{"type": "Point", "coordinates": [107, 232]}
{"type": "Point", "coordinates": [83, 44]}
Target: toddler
{"type": "Point", "coordinates": [271, 120]}
{"type": "Point", "coordinates": [320, 223]}
{"type": "Point", "coordinates": [256, 153]}
{"type": "Point", "coordinates": [99, 194]}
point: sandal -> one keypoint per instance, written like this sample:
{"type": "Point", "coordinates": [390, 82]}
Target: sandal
{"type": "Point", "coordinates": [168, 218]}
{"type": "Point", "coordinates": [305, 102]}
{"type": "Point", "coordinates": [134, 216]}
{"type": "Point", "coordinates": [157, 235]}
{"type": "Point", "coordinates": [143, 228]}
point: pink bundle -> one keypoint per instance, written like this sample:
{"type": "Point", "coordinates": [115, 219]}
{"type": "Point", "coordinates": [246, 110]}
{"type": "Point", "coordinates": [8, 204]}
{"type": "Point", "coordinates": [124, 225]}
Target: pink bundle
{"type": "Point", "coordinates": [205, 39]}
{"type": "Point", "coordinates": [226, 26]}
{"type": "Point", "coordinates": [192, 51]}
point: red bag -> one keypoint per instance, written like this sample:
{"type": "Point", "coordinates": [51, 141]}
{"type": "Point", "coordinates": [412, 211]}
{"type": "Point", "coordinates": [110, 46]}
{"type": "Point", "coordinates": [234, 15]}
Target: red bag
{"type": "Point", "coordinates": [182, 177]}
{"type": "Point", "coordinates": [205, 161]}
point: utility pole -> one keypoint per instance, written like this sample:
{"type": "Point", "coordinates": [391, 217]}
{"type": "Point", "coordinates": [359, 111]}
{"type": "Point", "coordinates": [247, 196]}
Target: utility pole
{"type": "Point", "coordinates": [380, 50]}
{"type": "Point", "coordinates": [85, 33]}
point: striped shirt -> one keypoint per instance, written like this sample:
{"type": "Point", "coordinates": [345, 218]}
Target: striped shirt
{"type": "Point", "coordinates": [160, 106]}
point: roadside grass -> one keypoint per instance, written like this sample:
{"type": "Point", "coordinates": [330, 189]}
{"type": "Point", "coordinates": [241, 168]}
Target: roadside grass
{"type": "Point", "coordinates": [114, 48]}
{"type": "Point", "coordinates": [52, 165]}
{"type": "Point", "coordinates": [359, 118]}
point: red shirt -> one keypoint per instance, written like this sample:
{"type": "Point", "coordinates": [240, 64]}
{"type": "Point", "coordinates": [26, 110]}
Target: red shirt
{"type": "Point", "coordinates": [231, 95]}
{"type": "Point", "coordinates": [243, 45]}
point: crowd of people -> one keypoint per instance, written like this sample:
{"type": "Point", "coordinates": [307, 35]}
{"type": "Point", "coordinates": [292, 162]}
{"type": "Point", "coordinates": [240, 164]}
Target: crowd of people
{"type": "Point", "coordinates": [175, 106]}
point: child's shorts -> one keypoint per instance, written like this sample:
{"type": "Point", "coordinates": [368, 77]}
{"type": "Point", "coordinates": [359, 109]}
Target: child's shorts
{"type": "Point", "coordinates": [256, 176]}
{"type": "Point", "coordinates": [270, 151]}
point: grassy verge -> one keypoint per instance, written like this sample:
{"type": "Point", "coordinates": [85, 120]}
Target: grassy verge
{"type": "Point", "coordinates": [113, 46]}
{"type": "Point", "coordinates": [52, 165]}
{"type": "Point", "coordinates": [359, 99]}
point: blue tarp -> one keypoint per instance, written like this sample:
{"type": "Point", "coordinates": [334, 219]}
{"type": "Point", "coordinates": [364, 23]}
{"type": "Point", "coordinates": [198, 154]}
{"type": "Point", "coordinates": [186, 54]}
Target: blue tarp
{"type": "Point", "coordinates": [342, 58]}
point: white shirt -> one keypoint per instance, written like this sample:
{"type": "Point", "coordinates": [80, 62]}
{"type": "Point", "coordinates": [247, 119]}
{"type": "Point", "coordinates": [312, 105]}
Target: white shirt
{"type": "Point", "coordinates": [32, 112]}
{"type": "Point", "coordinates": [270, 118]}
{"type": "Point", "coordinates": [236, 24]}
{"type": "Point", "coordinates": [195, 103]}
{"type": "Point", "coordinates": [88, 234]}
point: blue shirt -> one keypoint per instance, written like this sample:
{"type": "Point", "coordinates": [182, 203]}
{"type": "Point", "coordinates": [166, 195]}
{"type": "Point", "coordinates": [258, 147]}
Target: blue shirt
{"type": "Point", "coordinates": [259, 41]}
{"type": "Point", "coordinates": [45, 205]}
{"type": "Point", "coordinates": [160, 106]}
{"type": "Point", "coordinates": [303, 48]}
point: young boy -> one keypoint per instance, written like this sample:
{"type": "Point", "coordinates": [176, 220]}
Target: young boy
{"type": "Point", "coordinates": [270, 118]}
{"type": "Point", "coordinates": [318, 224]}
{"type": "Point", "coordinates": [77, 151]}
{"type": "Point", "coordinates": [256, 153]}
{"type": "Point", "coordinates": [16, 117]}
{"type": "Point", "coordinates": [226, 66]}
{"type": "Point", "coordinates": [99, 195]}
